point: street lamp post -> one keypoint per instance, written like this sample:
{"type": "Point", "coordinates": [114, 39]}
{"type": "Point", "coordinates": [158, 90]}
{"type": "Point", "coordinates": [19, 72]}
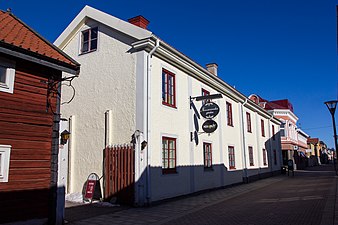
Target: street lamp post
{"type": "Point", "coordinates": [331, 105]}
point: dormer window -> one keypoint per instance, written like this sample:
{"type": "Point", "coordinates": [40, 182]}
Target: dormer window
{"type": "Point", "coordinates": [89, 40]}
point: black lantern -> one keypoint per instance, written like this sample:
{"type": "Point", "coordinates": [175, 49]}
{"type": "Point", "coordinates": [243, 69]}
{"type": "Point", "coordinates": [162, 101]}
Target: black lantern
{"type": "Point", "coordinates": [64, 137]}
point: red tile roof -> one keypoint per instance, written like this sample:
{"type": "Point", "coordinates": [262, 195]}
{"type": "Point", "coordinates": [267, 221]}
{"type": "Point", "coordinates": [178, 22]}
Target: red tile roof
{"type": "Point", "coordinates": [16, 33]}
{"type": "Point", "coordinates": [313, 140]}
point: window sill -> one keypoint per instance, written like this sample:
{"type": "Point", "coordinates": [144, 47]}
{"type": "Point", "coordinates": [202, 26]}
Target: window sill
{"type": "Point", "coordinates": [168, 105]}
{"type": "Point", "coordinates": [208, 169]}
{"type": "Point", "coordinates": [85, 53]}
{"type": "Point", "coordinates": [169, 171]}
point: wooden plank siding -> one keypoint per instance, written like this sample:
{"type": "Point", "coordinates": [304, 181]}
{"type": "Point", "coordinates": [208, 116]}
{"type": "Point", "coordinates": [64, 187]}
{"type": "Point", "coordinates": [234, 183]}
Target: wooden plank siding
{"type": "Point", "coordinates": [28, 128]}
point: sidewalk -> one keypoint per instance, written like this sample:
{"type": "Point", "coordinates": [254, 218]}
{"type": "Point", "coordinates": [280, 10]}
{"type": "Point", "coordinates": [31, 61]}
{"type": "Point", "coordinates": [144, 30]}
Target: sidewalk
{"type": "Point", "coordinates": [184, 210]}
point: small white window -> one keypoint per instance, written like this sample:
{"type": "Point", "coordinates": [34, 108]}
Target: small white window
{"type": "Point", "coordinates": [7, 75]}
{"type": "Point", "coordinates": [5, 152]}
{"type": "Point", "coordinates": [89, 40]}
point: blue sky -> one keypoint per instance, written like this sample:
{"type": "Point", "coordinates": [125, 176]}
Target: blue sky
{"type": "Point", "coordinates": [274, 48]}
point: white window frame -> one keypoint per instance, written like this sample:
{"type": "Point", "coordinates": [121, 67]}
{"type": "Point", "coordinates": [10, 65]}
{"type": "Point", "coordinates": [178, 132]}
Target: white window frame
{"type": "Point", "coordinates": [8, 86]}
{"type": "Point", "coordinates": [5, 153]}
{"type": "Point", "coordinates": [86, 28]}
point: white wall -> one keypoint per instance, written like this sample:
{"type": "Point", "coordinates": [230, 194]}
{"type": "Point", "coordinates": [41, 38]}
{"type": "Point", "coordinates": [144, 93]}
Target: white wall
{"type": "Point", "coordinates": [178, 123]}
{"type": "Point", "coordinates": [107, 81]}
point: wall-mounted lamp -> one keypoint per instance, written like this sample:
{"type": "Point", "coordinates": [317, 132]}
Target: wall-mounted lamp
{"type": "Point", "coordinates": [144, 145]}
{"type": "Point", "coordinates": [64, 137]}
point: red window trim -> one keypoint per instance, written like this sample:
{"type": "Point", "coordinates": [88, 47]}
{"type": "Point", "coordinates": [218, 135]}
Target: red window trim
{"type": "Point", "coordinates": [234, 161]}
{"type": "Point", "coordinates": [205, 93]}
{"type": "Point", "coordinates": [262, 128]}
{"type": "Point", "coordinates": [204, 153]}
{"type": "Point", "coordinates": [174, 88]}
{"type": "Point", "coordinates": [251, 159]}
{"type": "Point", "coordinates": [264, 158]}
{"type": "Point", "coordinates": [169, 170]}
{"type": "Point", "coordinates": [229, 114]}
{"type": "Point", "coordinates": [248, 121]}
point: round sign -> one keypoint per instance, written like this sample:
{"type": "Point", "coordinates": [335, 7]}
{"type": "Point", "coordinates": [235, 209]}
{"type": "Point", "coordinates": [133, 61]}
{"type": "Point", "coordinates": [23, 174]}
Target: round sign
{"type": "Point", "coordinates": [209, 110]}
{"type": "Point", "coordinates": [209, 126]}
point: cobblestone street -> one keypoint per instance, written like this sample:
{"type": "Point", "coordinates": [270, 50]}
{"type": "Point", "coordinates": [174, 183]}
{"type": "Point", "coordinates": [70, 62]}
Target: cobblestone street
{"type": "Point", "coordinates": [309, 197]}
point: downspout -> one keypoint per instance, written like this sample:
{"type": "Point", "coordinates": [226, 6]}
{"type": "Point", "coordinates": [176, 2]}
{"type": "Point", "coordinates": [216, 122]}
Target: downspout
{"type": "Point", "coordinates": [146, 117]}
{"type": "Point", "coordinates": [270, 144]}
{"type": "Point", "coordinates": [244, 145]}
{"type": "Point", "coordinates": [58, 193]}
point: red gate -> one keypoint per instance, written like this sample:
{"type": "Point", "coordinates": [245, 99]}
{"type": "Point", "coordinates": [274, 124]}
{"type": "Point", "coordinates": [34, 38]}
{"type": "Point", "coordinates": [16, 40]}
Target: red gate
{"type": "Point", "coordinates": [119, 173]}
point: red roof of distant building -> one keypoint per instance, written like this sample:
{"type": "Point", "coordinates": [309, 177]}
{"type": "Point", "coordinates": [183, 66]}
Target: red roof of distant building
{"type": "Point", "coordinates": [15, 33]}
{"type": "Point", "coordinates": [282, 104]}
{"type": "Point", "coordinates": [313, 140]}
{"type": "Point", "coordinates": [270, 105]}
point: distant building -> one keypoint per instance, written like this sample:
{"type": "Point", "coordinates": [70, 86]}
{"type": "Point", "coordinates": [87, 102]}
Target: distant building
{"type": "Point", "coordinates": [293, 139]}
{"type": "Point", "coordinates": [318, 150]}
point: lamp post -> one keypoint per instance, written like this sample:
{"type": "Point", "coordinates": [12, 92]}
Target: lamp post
{"type": "Point", "coordinates": [331, 105]}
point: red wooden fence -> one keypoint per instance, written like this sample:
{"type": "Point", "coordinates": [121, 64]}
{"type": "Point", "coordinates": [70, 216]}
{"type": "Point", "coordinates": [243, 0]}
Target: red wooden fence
{"type": "Point", "coordinates": [119, 174]}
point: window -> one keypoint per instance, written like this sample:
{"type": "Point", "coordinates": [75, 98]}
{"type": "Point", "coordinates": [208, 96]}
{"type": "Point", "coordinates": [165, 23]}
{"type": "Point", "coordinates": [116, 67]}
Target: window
{"type": "Point", "coordinates": [5, 151]}
{"type": "Point", "coordinates": [231, 152]}
{"type": "Point", "coordinates": [248, 122]}
{"type": "Point", "coordinates": [205, 93]}
{"type": "Point", "coordinates": [207, 155]}
{"type": "Point", "coordinates": [229, 114]}
{"type": "Point", "coordinates": [282, 129]}
{"type": "Point", "coordinates": [168, 155]}
{"type": "Point", "coordinates": [264, 158]}
{"type": "Point", "coordinates": [251, 159]}
{"type": "Point", "coordinates": [7, 75]}
{"type": "Point", "coordinates": [89, 40]}
{"type": "Point", "coordinates": [168, 88]}
{"type": "Point", "coordinates": [273, 133]}
{"type": "Point", "coordinates": [262, 128]}
{"type": "Point", "coordinates": [275, 156]}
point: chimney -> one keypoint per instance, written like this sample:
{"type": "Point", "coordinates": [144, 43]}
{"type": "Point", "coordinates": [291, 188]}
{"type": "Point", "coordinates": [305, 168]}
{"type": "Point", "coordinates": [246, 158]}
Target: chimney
{"type": "Point", "coordinates": [212, 68]}
{"type": "Point", "coordinates": [139, 21]}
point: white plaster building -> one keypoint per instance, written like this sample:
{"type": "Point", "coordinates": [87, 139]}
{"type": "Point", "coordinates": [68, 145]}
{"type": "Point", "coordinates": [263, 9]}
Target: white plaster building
{"type": "Point", "coordinates": [132, 82]}
{"type": "Point", "coordinates": [293, 139]}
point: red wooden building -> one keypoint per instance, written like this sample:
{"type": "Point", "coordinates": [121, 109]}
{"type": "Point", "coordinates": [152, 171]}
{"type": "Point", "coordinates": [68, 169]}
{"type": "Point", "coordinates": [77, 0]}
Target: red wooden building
{"type": "Point", "coordinates": [30, 83]}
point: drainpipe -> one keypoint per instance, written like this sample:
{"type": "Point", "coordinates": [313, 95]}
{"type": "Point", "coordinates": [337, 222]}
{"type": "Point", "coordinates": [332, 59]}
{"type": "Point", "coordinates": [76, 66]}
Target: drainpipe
{"type": "Point", "coordinates": [270, 144]}
{"type": "Point", "coordinates": [146, 117]}
{"type": "Point", "coordinates": [244, 145]}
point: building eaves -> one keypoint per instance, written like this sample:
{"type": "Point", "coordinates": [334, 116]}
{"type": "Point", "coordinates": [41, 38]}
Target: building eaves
{"type": "Point", "coordinates": [103, 18]}
{"type": "Point", "coordinates": [19, 40]}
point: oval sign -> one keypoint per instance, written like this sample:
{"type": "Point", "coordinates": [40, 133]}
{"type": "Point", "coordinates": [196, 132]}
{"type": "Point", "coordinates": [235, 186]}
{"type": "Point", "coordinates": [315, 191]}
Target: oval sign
{"type": "Point", "coordinates": [209, 126]}
{"type": "Point", "coordinates": [209, 110]}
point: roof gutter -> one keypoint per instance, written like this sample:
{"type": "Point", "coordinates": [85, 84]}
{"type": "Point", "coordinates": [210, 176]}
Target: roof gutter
{"type": "Point", "coordinates": [36, 58]}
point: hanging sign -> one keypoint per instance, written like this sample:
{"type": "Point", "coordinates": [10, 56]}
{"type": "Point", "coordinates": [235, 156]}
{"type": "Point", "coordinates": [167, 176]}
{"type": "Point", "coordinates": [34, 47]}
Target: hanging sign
{"type": "Point", "coordinates": [209, 110]}
{"type": "Point", "coordinates": [196, 137]}
{"type": "Point", "coordinates": [196, 123]}
{"type": "Point", "coordinates": [209, 126]}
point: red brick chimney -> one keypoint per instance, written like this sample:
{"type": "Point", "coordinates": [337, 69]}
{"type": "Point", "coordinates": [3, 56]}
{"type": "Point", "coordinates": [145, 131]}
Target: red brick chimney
{"type": "Point", "coordinates": [139, 21]}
